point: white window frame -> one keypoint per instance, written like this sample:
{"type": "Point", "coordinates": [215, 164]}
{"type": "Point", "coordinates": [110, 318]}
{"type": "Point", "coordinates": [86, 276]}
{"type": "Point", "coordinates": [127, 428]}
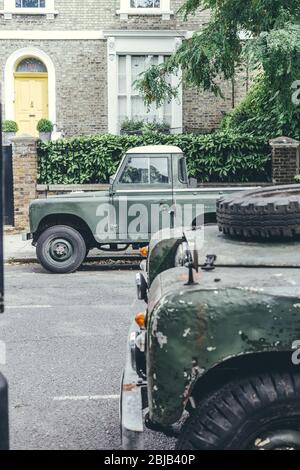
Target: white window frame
{"type": "Point", "coordinates": [126, 10]}
{"type": "Point", "coordinates": [129, 92]}
{"type": "Point", "coordinates": [157, 43]}
{"type": "Point", "coordinates": [10, 9]}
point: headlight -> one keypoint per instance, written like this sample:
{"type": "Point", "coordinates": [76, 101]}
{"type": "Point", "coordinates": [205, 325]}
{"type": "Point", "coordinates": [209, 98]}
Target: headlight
{"type": "Point", "coordinates": [183, 255]}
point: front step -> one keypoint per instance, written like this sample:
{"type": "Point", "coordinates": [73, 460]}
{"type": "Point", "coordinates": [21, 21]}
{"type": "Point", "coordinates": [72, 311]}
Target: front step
{"type": "Point", "coordinates": [10, 230]}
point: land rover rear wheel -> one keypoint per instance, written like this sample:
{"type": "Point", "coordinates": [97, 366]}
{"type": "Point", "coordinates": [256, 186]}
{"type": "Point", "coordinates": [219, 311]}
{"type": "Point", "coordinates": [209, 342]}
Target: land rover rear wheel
{"type": "Point", "coordinates": [61, 249]}
{"type": "Point", "coordinates": [258, 413]}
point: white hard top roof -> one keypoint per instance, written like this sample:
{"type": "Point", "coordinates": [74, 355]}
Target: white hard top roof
{"type": "Point", "coordinates": [155, 149]}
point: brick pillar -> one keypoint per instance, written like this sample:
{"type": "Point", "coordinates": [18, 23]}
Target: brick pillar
{"type": "Point", "coordinates": [25, 177]}
{"type": "Point", "coordinates": [285, 160]}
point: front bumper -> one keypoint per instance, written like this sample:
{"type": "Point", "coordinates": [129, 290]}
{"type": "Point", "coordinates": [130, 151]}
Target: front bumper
{"type": "Point", "coordinates": [131, 402]}
{"type": "Point", "coordinates": [27, 236]}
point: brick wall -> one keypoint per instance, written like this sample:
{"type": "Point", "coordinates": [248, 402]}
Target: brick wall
{"type": "Point", "coordinates": [285, 160]}
{"type": "Point", "coordinates": [99, 14]}
{"type": "Point", "coordinates": [25, 178]}
{"type": "Point", "coordinates": [81, 65]}
{"type": "Point", "coordinates": [81, 88]}
{"type": "Point", "coordinates": [81, 81]}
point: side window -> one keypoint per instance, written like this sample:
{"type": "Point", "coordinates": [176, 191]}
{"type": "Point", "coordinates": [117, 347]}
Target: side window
{"type": "Point", "coordinates": [183, 178]}
{"type": "Point", "coordinates": [136, 171]}
{"type": "Point", "coordinates": [159, 170]}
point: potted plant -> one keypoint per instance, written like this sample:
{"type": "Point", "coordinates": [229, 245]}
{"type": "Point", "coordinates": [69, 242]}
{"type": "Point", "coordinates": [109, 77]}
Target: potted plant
{"type": "Point", "coordinates": [45, 128]}
{"type": "Point", "coordinates": [9, 129]}
{"type": "Point", "coordinates": [132, 127]}
{"type": "Point", "coordinates": [160, 127]}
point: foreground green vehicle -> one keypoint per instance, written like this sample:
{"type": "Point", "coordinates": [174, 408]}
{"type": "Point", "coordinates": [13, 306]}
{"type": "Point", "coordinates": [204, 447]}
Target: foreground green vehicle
{"type": "Point", "coordinates": [149, 184]}
{"type": "Point", "coordinates": [219, 345]}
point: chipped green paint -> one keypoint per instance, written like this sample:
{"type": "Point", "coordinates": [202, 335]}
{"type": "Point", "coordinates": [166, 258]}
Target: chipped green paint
{"type": "Point", "coordinates": [232, 311]}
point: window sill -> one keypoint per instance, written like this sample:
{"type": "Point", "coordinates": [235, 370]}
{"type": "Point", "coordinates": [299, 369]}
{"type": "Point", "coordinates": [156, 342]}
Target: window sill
{"type": "Point", "coordinates": [8, 14]}
{"type": "Point", "coordinates": [124, 14]}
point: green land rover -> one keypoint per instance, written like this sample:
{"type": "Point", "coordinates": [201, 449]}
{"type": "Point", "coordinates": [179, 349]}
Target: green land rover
{"type": "Point", "coordinates": [151, 182]}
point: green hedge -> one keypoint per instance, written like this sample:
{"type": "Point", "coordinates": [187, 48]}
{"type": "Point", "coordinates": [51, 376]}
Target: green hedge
{"type": "Point", "coordinates": [218, 157]}
{"type": "Point", "coordinates": [262, 114]}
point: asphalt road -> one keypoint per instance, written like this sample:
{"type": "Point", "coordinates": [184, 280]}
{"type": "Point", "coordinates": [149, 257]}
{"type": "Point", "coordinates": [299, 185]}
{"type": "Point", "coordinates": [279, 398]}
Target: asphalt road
{"type": "Point", "coordinates": [65, 343]}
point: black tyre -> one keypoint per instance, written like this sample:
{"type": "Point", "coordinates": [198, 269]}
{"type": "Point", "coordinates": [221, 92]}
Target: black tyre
{"type": "Point", "coordinates": [272, 212]}
{"type": "Point", "coordinates": [61, 249]}
{"type": "Point", "coordinates": [261, 412]}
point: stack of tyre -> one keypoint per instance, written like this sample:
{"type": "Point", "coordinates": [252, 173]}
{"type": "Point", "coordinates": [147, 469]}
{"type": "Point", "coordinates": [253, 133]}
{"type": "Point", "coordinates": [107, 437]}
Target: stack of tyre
{"type": "Point", "coordinates": [267, 213]}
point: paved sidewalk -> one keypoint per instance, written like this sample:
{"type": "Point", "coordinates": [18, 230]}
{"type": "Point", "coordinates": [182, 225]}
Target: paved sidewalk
{"type": "Point", "coordinates": [19, 251]}
{"type": "Point", "coordinates": [15, 249]}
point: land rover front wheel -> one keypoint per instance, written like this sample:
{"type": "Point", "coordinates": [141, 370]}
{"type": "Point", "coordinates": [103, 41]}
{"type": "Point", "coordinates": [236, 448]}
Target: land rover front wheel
{"type": "Point", "coordinates": [258, 413]}
{"type": "Point", "coordinates": [61, 249]}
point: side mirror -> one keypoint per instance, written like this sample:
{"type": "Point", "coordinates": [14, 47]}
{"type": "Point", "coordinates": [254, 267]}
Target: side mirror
{"type": "Point", "coordinates": [193, 183]}
{"type": "Point", "coordinates": [184, 257]}
{"type": "Point", "coordinates": [112, 179]}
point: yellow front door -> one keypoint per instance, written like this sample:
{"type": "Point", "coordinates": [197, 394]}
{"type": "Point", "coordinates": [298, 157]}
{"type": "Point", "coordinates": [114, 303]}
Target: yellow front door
{"type": "Point", "coordinates": [31, 101]}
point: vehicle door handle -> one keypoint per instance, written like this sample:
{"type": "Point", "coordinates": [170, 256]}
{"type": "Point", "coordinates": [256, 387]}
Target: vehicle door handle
{"type": "Point", "coordinates": [162, 203]}
{"type": "Point", "coordinates": [32, 115]}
